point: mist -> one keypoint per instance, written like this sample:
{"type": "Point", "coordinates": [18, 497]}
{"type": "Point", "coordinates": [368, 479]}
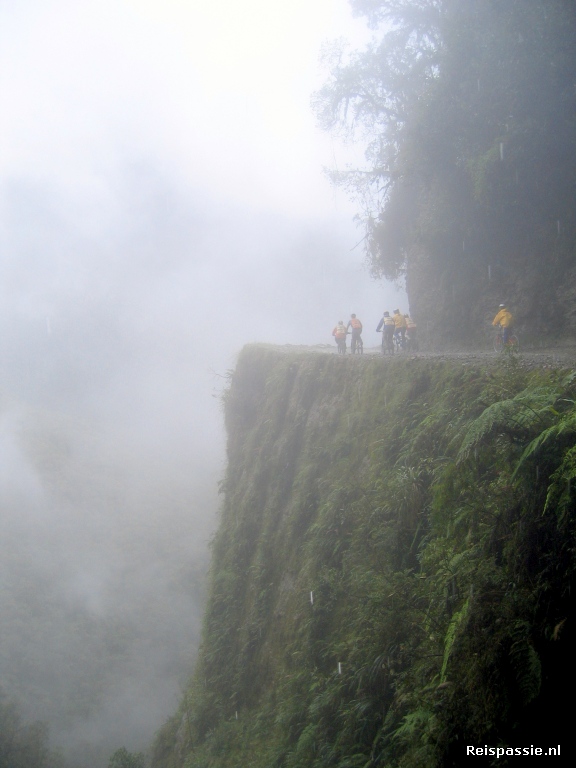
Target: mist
{"type": "Point", "coordinates": [152, 221]}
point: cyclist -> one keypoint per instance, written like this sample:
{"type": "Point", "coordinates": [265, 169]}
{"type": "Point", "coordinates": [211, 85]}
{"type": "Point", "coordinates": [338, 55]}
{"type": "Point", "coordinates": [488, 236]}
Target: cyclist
{"type": "Point", "coordinates": [411, 330]}
{"type": "Point", "coordinates": [400, 330]}
{"type": "Point", "coordinates": [356, 325]}
{"type": "Point", "coordinates": [339, 334]}
{"type": "Point", "coordinates": [387, 326]}
{"type": "Point", "coordinates": [504, 320]}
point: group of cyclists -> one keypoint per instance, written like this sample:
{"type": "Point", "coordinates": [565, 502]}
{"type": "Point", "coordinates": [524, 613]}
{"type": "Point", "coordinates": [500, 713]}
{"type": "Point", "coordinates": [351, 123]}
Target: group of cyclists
{"type": "Point", "coordinates": [399, 331]}
{"type": "Point", "coordinates": [340, 332]}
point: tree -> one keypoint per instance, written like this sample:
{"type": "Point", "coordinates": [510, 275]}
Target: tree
{"type": "Point", "coordinates": [467, 112]}
{"type": "Point", "coordinates": [124, 759]}
{"type": "Point", "coordinates": [23, 746]}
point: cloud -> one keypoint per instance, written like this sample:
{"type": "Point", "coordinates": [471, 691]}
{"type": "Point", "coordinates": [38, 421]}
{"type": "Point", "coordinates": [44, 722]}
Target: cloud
{"type": "Point", "coordinates": [161, 204]}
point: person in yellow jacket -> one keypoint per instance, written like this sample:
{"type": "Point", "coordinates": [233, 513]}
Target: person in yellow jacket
{"type": "Point", "coordinates": [339, 332]}
{"type": "Point", "coordinates": [411, 331]}
{"type": "Point", "coordinates": [387, 326]}
{"type": "Point", "coordinates": [504, 320]}
{"type": "Point", "coordinates": [400, 323]}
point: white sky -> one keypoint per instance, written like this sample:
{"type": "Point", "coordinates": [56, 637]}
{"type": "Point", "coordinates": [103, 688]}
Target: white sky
{"type": "Point", "coordinates": [219, 91]}
{"type": "Point", "coordinates": [207, 102]}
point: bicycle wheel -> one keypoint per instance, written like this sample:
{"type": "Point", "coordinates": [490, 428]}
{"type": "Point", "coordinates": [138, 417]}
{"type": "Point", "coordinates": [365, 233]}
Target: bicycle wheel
{"type": "Point", "coordinates": [513, 343]}
{"type": "Point", "coordinates": [498, 343]}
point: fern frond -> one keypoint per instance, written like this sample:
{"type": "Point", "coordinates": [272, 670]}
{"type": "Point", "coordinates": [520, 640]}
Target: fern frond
{"type": "Point", "coordinates": [457, 619]}
{"type": "Point", "coordinates": [526, 662]}
{"type": "Point", "coordinates": [519, 414]}
{"type": "Point", "coordinates": [569, 379]}
{"type": "Point", "coordinates": [566, 426]}
{"type": "Point", "coordinates": [413, 723]}
{"type": "Point", "coordinates": [494, 416]}
{"type": "Point", "coordinates": [559, 495]}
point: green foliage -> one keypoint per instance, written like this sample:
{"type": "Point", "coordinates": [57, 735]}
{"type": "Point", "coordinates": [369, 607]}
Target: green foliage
{"type": "Point", "coordinates": [453, 627]}
{"type": "Point", "coordinates": [515, 417]}
{"type": "Point", "coordinates": [525, 662]}
{"type": "Point", "coordinates": [124, 759]}
{"type": "Point", "coordinates": [392, 578]}
{"type": "Point", "coordinates": [23, 746]}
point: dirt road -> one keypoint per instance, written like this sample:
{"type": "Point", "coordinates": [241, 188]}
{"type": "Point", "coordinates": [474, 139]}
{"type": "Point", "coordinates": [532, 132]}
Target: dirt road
{"type": "Point", "coordinates": [561, 356]}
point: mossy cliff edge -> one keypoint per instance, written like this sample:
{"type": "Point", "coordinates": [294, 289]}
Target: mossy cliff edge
{"type": "Point", "coordinates": [392, 575]}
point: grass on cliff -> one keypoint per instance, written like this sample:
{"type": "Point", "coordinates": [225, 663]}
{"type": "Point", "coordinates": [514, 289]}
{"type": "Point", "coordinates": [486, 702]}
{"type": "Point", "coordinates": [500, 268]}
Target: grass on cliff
{"type": "Point", "coordinates": [392, 576]}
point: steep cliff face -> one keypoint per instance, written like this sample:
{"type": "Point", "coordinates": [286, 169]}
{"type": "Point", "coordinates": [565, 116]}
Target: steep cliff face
{"type": "Point", "coordinates": [392, 575]}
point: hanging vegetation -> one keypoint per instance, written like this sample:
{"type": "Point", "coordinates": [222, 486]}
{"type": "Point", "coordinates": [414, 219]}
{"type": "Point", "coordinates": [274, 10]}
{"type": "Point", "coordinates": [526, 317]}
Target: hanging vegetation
{"type": "Point", "coordinates": [429, 507]}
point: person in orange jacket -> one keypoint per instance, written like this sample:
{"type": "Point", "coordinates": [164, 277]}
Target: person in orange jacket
{"type": "Point", "coordinates": [356, 326]}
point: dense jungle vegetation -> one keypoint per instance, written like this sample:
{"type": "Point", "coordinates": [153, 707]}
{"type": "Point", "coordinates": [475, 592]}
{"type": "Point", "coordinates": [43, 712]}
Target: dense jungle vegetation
{"type": "Point", "coordinates": [467, 111]}
{"type": "Point", "coordinates": [392, 576]}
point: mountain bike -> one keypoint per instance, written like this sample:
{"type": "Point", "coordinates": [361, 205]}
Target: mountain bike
{"type": "Point", "coordinates": [399, 343]}
{"type": "Point", "coordinates": [512, 345]}
{"type": "Point", "coordinates": [341, 344]}
{"type": "Point", "coordinates": [387, 344]}
{"type": "Point", "coordinates": [356, 345]}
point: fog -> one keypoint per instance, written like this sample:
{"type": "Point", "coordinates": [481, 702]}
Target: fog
{"type": "Point", "coordinates": [162, 204]}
